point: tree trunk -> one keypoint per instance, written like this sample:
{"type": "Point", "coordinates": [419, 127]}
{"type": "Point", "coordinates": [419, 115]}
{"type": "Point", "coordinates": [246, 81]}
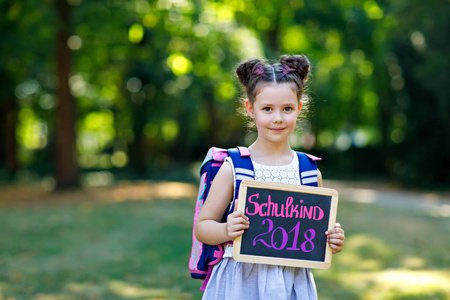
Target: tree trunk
{"type": "Point", "coordinates": [8, 124]}
{"type": "Point", "coordinates": [10, 135]}
{"type": "Point", "coordinates": [67, 172]}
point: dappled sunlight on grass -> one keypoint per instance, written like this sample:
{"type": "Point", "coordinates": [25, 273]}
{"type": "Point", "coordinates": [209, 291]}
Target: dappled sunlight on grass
{"type": "Point", "coordinates": [413, 262]}
{"type": "Point", "coordinates": [150, 190]}
{"type": "Point", "coordinates": [122, 191]}
{"type": "Point", "coordinates": [370, 253]}
{"type": "Point", "coordinates": [390, 253]}
{"type": "Point", "coordinates": [116, 289]}
{"type": "Point", "coordinates": [84, 289]}
{"type": "Point", "coordinates": [132, 291]}
{"type": "Point", "coordinates": [132, 241]}
{"type": "Point", "coordinates": [415, 281]}
{"type": "Point", "coordinates": [59, 296]}
{"type": "Point", "coordinates": [95, 247]}
{"type": "Point", "coordinates": [398, 284]}
{"type": "Point", "coordinates": [342, 283]}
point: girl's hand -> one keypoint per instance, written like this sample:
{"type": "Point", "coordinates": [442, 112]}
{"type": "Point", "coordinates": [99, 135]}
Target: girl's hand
{"type": "Point", "coordinates": [336, 238]}
{"type": "Point", "coordinates": [237, 222]}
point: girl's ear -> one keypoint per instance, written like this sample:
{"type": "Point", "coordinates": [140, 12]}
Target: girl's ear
{"type": "Point", "coordinates": [249, 108]}
{"type": "Point", "coordinates": [300, 105]}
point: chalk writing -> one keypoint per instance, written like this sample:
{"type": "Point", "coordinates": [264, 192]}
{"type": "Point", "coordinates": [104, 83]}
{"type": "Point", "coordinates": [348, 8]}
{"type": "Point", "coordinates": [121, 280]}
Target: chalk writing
{"type": "Point", "coordinates": [285, 237]}
{"type": "Point", "coordinates": [283, 210]}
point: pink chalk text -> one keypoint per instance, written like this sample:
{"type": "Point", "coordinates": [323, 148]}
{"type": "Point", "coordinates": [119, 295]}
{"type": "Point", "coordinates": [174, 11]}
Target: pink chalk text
{"type": "Point", "coordinates": [306, 246]}
{"type": "Point", "coordinates": [289, 209]}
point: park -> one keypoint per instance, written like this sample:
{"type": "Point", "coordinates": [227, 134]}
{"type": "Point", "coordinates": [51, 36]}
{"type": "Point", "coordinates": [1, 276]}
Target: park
{"type": "Point", "coordinates": [107, 109]}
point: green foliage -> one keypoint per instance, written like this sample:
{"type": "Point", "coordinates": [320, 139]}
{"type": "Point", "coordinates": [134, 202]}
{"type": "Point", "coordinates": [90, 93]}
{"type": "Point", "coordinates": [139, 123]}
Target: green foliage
{"type": "Point", "coordinates": [154, 81]}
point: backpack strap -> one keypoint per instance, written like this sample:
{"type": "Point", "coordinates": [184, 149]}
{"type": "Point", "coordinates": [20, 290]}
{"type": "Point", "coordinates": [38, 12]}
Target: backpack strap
{"type": "Point", "coordinates": [214, 157]}
{"type": "Point", "coordinates": [243, 169]}
{"type": "Point", "coordinates": [308, 169]}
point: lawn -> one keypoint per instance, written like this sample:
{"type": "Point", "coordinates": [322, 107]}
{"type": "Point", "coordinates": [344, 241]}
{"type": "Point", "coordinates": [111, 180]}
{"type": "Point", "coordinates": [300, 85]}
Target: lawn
{"type": "Point", "coordinates": [132, 241]}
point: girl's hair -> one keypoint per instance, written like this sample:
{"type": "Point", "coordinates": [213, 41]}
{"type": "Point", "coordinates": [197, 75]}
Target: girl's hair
{"type": "Point", "coordinates": [255, 73]}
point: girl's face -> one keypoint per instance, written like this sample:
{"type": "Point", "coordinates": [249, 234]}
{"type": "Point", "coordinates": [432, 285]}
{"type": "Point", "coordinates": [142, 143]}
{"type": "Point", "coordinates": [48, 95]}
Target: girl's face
{"type": "Point", "coordinates": [275, 112]}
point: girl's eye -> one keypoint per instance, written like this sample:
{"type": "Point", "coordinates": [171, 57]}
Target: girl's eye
{"type": "Point", "coordinates": [267, 109]}
{"type": "Point", "coordinates": [288, 109]}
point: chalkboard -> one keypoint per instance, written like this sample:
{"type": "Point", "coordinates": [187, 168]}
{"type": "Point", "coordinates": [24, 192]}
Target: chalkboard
{"type": "Point", "coordinates": [287, 224]}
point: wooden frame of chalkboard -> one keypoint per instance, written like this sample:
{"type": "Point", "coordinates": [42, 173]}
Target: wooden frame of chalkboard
{"type": "Point", "coordinates": [287, 224]}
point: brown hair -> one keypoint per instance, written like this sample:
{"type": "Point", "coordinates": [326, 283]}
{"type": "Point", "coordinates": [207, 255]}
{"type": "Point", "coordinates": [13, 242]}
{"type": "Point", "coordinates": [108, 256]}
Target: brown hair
{"type": "Point", "coordinates": [292, 69]}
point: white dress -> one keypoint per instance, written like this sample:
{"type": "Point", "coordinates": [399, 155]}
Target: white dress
{"type": "Point", "coordinates": [232, 280]}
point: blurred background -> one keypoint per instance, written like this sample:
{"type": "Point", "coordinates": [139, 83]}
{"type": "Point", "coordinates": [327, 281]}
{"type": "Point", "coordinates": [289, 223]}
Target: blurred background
{"type": "Point", "coordinates": [141, 89]}
{"type": "Point", "coordinates": [107, 108]}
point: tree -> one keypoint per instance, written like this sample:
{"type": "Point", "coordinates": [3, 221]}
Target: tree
{"type": "Point", "coordinates": [67, 172]}
{"type": "Point", "coordinates": [152, 83]}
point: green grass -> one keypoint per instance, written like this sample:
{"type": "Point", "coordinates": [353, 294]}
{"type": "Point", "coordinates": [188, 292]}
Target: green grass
{"type": "Point", "coordinates": [94, 247]}
{"type": "Point", "coordinates": [390, 253]}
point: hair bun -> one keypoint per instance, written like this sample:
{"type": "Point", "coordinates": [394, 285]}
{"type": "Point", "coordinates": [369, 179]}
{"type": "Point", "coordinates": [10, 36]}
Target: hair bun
{"type": "Point", "coordinates": [298, 62]}
{"type": "Point", "coordinates": [246, 69]}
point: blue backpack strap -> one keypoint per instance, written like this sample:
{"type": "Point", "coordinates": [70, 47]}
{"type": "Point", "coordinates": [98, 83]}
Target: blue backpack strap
{"type": "Point", "coordinates": [308, 169]}
{"type": "Point", "coordinates": [243, 168]}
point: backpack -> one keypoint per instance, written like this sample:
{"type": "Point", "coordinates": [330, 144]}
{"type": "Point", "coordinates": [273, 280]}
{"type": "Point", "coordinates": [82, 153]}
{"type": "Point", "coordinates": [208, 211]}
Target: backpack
{"type": "Point", "coordinates": [204, 257]}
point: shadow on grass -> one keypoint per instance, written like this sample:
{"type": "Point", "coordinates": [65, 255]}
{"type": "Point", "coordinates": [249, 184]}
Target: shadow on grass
{"type": "Point", "coordinates": [132, 241]}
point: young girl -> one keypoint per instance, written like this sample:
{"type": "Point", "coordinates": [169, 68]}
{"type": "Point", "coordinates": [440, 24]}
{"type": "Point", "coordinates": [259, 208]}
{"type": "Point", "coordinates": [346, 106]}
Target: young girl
{"type": "Point", "coordinates": [274, 94]}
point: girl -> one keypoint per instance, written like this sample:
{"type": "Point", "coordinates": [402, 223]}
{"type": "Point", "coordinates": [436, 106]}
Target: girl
{"type": "Point", "coordinates": [274, 94]}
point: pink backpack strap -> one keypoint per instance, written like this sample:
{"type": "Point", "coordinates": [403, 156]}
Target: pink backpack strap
{"type": "Point", "coordinates": [244, 151]}
{"type": "Point", "coordinates": [219, 154]}
{"type": "Point", "coordinates": [312, 157]}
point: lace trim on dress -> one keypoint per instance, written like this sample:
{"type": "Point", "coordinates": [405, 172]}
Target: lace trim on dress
{"type": "Point", "coordinates": [281, 174]}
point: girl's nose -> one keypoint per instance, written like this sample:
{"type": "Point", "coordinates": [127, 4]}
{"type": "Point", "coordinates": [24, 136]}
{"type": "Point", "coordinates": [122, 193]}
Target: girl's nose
{"type": "Point", "coordinates": [277, 118]}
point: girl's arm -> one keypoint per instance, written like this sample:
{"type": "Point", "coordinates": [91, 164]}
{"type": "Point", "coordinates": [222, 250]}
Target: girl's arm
{"type": "Point", "coordinates": [208, 228]}
{"type": "Point", "coordinates": [335, 236]}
